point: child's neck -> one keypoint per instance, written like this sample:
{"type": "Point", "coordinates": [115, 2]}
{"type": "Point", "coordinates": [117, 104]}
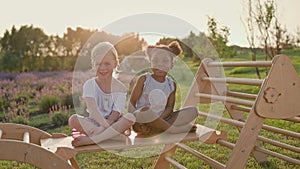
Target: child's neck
{"type": "Point", "coordinates": [160, 79]}
{"type": "Point", "coordinates": [105, 84]}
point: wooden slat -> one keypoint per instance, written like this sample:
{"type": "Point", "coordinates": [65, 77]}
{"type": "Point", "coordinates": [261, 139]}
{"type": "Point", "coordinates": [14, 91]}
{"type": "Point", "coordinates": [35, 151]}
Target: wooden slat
{"type": "Point", "coordinates": [281, 131]}
{"type": "Point", "coordinates": [279, 144]}
{"type": "Point", "coordinates": [244, 109]}
{"type": "Point", "coordinates": [266, 140]}
{"type": "Point", "coordinates": [241, 95]}
{"type": "Point", "coordinates": [294, 119]}
{"type": "Point", "coordinates": [222, 119]}
{"type": "Point", "coordinates": [225, 99]}
{"type": "Point", "coordinates": [241, 124]}
{"type": "Point", "coordinates": [241, 64]}
{"type": "Point", "coordinates": [16, 132]}
{"type": "Point", "coordinates": [15, 150]}
{"type": "Point", "coordinates": [226, 144]}
{"type": "Point", "coordinates": [0, 133]}
{"type": "Point", "coordinates": [208, 160]}
{"type": "Point", "coordinates": [243, 81]}
{"type": "Point", "coordinates": [280, 156]}
{"type": "Point", "coordinates": [175, 163]}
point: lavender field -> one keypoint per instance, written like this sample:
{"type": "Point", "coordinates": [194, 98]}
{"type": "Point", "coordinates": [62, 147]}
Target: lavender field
{"type": "Point", "coordinates": [38, 99]}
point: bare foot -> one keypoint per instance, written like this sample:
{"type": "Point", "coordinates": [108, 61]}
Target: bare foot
{"type": "Point", "coordinates": [120, 137]}
{"type": "Point", "coordinates": [193, 129]}
{"type": "Point", "coordinates": [82, 141]}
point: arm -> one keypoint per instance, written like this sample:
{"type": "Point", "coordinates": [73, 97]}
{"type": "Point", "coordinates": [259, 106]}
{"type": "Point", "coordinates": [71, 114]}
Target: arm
{"type": "Point", "coordinates": [114, 116]}
{"type": "Point", "coordinates": [94, 111]}
{"type": "Point", "coordinates": [136, 93]}
{"type": "Point", "coordinates": [170, 104]}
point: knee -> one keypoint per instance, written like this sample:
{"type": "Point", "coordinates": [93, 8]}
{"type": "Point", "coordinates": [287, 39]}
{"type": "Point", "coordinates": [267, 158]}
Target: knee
{"type": "Point", "coordinates": [73, 120]}
{"type": "Point", "coordinates": [193, 111]}
{"type": "Point", "coordinates": [130, 118]}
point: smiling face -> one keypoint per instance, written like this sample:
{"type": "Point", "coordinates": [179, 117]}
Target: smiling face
{"type": "Point", "coordinates": [105, 66]}
{"type": "Point", "coordinates": [161, 63]}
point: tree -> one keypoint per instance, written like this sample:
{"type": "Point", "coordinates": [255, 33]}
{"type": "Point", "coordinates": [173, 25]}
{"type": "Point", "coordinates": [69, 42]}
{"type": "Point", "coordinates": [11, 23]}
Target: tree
{"type": "Point", "coordinates": [25, 42]}
{"type": "Point", "coordinates": [219, 38]}
{"type": "Point", "coordinates": [250, 31]}
{"type": "Point", "coordinates": [74, 40]}
{"type": "Point", "coordinates": [265, 16]}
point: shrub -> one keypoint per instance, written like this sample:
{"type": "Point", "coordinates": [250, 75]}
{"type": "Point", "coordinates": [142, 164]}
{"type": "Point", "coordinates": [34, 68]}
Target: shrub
{"type": "Point", "coordinates": [47, 102]}
{"type": "Point", "coordinates": [20, 120]}
{"type": "Point", "coordinates": [22, 98]}
{"type": "Point", "coordinates": [72, 100]}
{"type": "Point", "coordinates": [60, 118]}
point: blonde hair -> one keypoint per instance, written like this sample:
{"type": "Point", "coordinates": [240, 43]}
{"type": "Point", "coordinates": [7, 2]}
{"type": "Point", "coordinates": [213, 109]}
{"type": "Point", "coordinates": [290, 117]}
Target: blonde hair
{"type": "Point", "coordinates": [102, 49]}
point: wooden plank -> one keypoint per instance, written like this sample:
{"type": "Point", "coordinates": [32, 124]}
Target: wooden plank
{"type": "Point", "coordinates": [32, 154]}
{"type": "Point", "coordinates": [168, 151]}
{"type": "Point", "coordinates": [280, 94]}
{"type": "Point", "coordinates": [245, 144]}
{"type": "Point", "coordinates": [16, 132]}
{"type": "Point", "coordinates": [204, 133]}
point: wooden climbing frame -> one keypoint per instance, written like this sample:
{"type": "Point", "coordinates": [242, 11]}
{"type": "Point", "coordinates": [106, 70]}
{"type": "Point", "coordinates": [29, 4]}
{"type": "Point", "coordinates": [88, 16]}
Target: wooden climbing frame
{"type": "Point", "coordinates": [277, 98]}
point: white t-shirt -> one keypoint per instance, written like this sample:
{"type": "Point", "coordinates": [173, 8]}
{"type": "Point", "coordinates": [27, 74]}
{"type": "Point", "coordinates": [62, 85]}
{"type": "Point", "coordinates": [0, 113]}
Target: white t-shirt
{"type": "Point", "coordinates": [106, 103]}
{"type": "Point", "coordinates": [155, 94]}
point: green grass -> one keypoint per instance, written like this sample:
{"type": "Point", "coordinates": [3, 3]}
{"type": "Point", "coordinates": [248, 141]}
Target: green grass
{"type": "Point", "coordinates": [108, 160]}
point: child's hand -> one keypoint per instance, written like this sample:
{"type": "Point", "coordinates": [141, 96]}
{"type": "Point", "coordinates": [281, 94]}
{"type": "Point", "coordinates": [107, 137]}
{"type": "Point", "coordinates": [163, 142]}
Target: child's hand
{"type": "Point", "coordinates": [145, 108]}
{"type": "Point", "coordinates": [127, 132]}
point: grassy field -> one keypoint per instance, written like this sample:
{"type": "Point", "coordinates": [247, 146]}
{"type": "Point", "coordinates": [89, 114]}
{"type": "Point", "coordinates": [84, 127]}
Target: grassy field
{"type": "Point", "coordinates": [118, 160]}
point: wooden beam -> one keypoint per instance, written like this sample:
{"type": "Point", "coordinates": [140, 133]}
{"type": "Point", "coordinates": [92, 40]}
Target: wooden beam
{"type": "Point", "coordinates": [241, 64]}
{"type": "Point", "coordinates": [205, 158]}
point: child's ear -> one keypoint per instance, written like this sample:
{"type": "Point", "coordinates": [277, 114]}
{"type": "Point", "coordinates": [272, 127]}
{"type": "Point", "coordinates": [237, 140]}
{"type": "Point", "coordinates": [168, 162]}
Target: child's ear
{"type": "Point", "coordinates": [116, 64]}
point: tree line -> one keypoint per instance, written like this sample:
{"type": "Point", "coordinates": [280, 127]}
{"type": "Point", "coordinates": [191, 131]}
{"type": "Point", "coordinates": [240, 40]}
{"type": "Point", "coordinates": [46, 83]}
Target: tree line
{"type": "Point", "coordinates": [30, 49]}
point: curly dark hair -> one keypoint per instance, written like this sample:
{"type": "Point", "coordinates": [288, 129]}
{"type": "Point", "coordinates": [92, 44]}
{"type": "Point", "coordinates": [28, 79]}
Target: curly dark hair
{"type": "Point", "coordinates": [173, 49]}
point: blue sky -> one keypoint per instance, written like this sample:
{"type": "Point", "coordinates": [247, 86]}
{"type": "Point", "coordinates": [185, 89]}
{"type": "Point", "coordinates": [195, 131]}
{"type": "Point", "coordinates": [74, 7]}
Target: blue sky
{"type": "Point", "coordinates": [56, 15]}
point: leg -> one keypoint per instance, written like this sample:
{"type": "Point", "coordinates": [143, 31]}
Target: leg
{"type": "Point", "coordinates": [182, 120]}
{"type": "Point", "coordinates": [152, 119]}
{"type": "Point", "coordinates": [112, 131]}
{"type": "Point", "coordinates": [84, 125]}
{"type": "Point", "coordinates": [183, 116]}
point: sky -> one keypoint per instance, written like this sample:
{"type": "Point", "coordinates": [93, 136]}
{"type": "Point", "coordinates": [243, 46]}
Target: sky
{"type": "Point", "coordinates": [56, 15]}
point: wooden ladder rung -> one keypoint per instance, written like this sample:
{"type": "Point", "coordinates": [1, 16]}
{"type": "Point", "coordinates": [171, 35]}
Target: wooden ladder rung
{"type": "Point", "coordinates": [281, 131]}
{"type": "Point", "coordinates": [226, 144]}
{"type": "Point", "coordinates": [279, 144]}
{"type": "Point", "coordinates": [225, 99]}
{"type": "Point", "coordinates": [241, 124]}
{"type": "Point", "coordinates": [244, 109]}
{"type": "Point", "coordinates": [241, 95]}
{"type": "Point", "coordinates": [275, 154]}
{"type": "Point", "coordinates": [243, 81]}
{"type": "Point", "coordinates": [294, 119]}
{"type": "Point", "coordinates": [241, 64]}
{"type": "Point", "coordinates": [175, 163]}
{"type": "Point", "coordinates": [222, 119]}
{"type": "Point", "coordinates": [205, 158]}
